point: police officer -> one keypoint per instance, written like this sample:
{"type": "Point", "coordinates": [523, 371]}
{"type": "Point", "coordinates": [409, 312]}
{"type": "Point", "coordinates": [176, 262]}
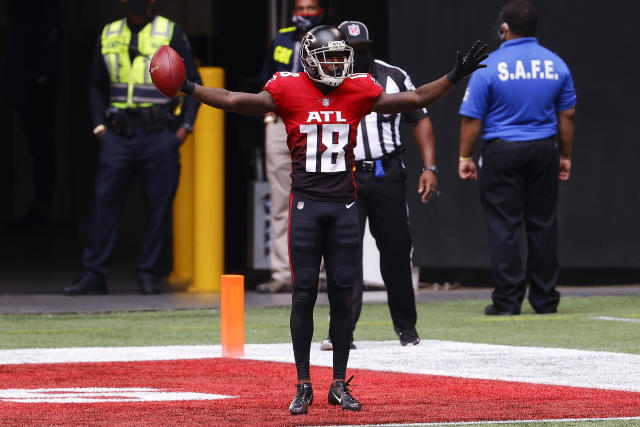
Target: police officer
{"type": "Point", "coordinates": [523, 104]}
{"type": "Point", "coordinates": [140, 133]}
{"type": "Point", "coordinates": [283, 55]}
{"type": "Point", "coordinates": [380, 177]}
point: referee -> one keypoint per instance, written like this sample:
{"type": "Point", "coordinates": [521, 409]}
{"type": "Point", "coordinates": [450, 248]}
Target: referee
{"type": "Point", "coordinates": [380, 177]}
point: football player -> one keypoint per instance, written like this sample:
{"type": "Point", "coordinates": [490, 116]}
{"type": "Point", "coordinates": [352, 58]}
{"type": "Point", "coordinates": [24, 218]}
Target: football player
{"type": "Point", "coordinates": [321, 109]}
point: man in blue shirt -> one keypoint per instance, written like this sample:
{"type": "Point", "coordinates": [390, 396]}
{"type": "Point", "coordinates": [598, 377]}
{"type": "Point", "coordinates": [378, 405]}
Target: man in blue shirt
{"type": "Point", "coordinates": [523, 103]}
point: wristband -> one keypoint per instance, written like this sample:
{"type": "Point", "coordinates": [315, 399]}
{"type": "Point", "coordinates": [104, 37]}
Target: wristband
{"type": "Point", "coordinates": [465, 159]}
{"type": "Point", "coordinates": [433, 169]}
{"type": "Point", "coordinates": [188, 87]}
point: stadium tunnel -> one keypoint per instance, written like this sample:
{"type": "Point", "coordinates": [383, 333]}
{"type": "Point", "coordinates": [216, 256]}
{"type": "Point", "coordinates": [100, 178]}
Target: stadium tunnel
{"type": "Point", "coordinates": [598, 206]}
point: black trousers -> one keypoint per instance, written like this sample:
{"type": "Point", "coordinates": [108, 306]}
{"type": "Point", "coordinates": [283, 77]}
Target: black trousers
{"type": "Point", "coordinates": [156, 157]}
{"type": "Point", "coordinates": [519, 187]}
{"type": "Point", "coordinates": [383, 201]}
{"type": "Point", "coordinates": [320, 229]}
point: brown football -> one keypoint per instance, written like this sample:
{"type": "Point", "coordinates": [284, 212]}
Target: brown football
{"type": "Point", "coordinates": [167, 71]}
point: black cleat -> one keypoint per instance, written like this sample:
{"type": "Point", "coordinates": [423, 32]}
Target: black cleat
{"type": "Point", "coordinates": [304, 398]}
{"type": "Point", "coordinates": [85, 286]}
{"type": "Point", "coordinates": [339, 394]}
{"type": "Point", "coordinates": [491, 310]}
{"type": "Point", "coordinates": [408, 336]}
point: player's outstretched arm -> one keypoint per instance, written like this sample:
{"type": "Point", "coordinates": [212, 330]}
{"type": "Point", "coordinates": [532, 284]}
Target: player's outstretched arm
{"type": "Point", "coordinates": [431, 92]}
{"type": "Point", "coordinates": [236, 102]}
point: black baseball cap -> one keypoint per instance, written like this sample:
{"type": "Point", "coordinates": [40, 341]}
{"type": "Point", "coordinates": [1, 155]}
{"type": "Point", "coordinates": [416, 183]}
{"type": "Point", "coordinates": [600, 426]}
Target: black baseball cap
{"type": "Point", "coordinates": [356, 31]}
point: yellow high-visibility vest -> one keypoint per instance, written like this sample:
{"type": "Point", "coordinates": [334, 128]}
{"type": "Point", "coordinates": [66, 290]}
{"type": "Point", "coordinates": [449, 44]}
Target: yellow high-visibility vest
{"type": "Point", "coordinates": [131, 85]}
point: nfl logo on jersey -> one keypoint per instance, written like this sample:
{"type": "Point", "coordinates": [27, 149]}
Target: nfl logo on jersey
{"type": "Point", "coordinates": [325, 102]}
{"type": "Point", "coordinates": [354, 30]}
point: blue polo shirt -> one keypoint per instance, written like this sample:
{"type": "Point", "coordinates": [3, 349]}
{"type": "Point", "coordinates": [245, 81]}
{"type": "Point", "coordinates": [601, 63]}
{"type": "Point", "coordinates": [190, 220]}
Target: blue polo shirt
{"type": "Point", "coordinates": [519, 93]}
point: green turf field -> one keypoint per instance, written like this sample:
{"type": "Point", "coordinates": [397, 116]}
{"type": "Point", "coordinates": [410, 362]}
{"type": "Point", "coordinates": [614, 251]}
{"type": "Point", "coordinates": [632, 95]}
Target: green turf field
{"type": "Point", "coordinates": [572, 327]}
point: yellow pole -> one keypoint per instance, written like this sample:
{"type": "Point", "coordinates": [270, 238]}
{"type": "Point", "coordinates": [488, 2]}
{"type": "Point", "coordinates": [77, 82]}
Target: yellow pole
{"type": "Point", "coordinates": [208, 213]}
{"type": "Point", "coordinates": [183, 219]}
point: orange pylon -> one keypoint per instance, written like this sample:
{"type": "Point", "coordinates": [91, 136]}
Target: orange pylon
{"type": "Point", "coordinates": [232, 315]}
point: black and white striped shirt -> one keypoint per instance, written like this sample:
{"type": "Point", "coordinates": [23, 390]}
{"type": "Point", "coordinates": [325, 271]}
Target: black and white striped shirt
{"type": "Point", "coordinates": [379, 134]}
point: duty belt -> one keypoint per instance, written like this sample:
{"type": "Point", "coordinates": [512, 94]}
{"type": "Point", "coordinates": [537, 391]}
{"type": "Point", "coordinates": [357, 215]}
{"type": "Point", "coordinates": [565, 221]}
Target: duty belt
{"type": "Point", "coordinates": [152, 119]}
{"type": "Point", "coordinates": [370, 165]}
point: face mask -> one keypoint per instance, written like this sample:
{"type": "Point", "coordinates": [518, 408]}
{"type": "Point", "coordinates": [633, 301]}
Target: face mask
{"type": "Point", "coordinates": [305, 22]}
{"type": "Point", "coordinates": [362, 62]}
{"type": "Point", "coordinates": [138, 7]}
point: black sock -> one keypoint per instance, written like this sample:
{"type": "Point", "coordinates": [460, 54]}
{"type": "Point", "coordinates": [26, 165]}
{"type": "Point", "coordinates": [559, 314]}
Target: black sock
{"type": "Point", "coordinates": [340, 328]}
{"type": "Point", "coordinates": [301, 324]}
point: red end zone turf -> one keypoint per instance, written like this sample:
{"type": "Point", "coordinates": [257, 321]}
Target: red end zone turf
{"type": "Point", "coordinates": [265, 389]}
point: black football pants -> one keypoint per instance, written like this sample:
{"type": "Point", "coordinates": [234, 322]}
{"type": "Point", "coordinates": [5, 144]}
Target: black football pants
{"type": "Point", "coordinates": [519, 186]}
{"type": "Point", "coordinates": [320, 229]}
{"type": "Point", "coordinates": [156, 158]}
{"type": "Point", "coordinates": [383, 201]}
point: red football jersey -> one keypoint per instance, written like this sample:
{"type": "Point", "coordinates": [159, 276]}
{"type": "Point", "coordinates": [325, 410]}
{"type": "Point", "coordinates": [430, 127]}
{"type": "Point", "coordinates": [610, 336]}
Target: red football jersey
{"type": "Point", "coordinates": [322, 130]}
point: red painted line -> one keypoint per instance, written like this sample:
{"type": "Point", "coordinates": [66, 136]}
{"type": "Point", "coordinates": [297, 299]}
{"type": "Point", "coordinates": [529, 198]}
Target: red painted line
{"type": "Point", "coordinates": [265, 389]}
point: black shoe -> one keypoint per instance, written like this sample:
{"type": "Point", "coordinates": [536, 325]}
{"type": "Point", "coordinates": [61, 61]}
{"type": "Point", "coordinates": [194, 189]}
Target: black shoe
{"type": "Point", "coordinates": [339, 394]}
{"type": "Point", "coordinates": [547, 311]}
{"type": "Point", "coordinates": [491, 310]}
{"type": "Point", "coordinates": [149, 286]}
{"type": "Point", "coordinates": [304, 398]}
{"type": "Point", "coordinates": [85, 286]}
{"type": "Point", "coordinates": [408, 336]}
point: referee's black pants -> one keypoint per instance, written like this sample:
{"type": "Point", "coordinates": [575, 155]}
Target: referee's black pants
{"type": "Point", "coordinates": [383, 201]}
{"type": "Point", "coordinates": [156, 158]}
{"type": "Point", "coordinates": [519, 186]}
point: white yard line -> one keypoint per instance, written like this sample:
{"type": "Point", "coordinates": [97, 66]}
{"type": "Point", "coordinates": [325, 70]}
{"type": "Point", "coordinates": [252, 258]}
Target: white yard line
{"type": "Point", "coordinates": [556, 366]}
{"type": "Point", "coordinates": [616, 319]}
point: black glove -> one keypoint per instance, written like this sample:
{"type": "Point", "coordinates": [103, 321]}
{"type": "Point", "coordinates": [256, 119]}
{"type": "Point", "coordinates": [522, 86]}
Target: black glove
{"type": "Point", "coordinates": [188, 87]}
{"type": "Point", "coordinates": [469, 63]}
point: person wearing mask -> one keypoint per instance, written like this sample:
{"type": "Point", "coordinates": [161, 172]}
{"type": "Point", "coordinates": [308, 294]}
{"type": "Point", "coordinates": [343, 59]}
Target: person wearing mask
{"type": "Point", "coordinates": [380, 176]}
{"type": "Point", "coordinates": [523, 105]}
{"type": "Point", "coordinates": [140, 134]}
{"type": "Point", "coordinates": [283, 55]}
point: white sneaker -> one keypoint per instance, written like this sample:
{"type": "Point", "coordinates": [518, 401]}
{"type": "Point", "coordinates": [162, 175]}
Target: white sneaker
{"type": "Point", "coordinates": [325, 345]}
